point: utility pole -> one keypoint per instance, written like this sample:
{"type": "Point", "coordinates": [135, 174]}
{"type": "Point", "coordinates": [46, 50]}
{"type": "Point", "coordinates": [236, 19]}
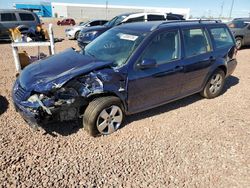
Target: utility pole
{"type": "Point", "coordinates": [222, 8]}
{"type": "Point", "coordinates": [107, 10]}
{"type": "Point", "coordinates": [231, 10]}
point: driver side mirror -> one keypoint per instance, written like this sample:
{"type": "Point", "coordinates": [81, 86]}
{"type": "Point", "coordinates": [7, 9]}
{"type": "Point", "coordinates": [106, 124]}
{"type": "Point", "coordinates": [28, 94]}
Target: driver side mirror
{"type": "Point", "coordinates": [248, 27]}
{"type": "Point", "coordinates": [147, 64]}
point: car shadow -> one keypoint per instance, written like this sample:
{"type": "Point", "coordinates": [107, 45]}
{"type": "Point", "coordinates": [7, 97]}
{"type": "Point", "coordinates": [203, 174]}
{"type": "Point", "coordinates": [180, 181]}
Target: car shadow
{"type": "Point", "coordinates": [62, 128]}
{"type": "Point", "coordinates": [245, 47]}
{"type": "Point", "coordinates": [4, 104]}
{"type": "Point", "coordinates": [230, 82]}
{"type": "Point", "coordinates": [71, 127]}
{"type": "Point", "coordinates": [5, 41]}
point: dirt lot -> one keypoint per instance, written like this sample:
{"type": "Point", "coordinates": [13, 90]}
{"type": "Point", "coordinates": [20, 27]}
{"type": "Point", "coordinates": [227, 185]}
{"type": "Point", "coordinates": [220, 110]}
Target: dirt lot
{"type": "Point", "coordinates": [193, 142]}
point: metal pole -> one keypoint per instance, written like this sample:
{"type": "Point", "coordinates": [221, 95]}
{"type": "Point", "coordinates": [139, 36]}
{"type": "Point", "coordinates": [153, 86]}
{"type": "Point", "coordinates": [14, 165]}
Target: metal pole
{"type": "Point", "coordinates": [222, 8]}
{"type": "Point", "coordinates": [106, 10]}
{"type": "Point", "coordinates": [231, 10]}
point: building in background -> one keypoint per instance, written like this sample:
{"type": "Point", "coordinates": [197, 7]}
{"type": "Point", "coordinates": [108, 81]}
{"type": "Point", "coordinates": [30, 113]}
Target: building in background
{"type": "Point", "coordinates": [42, 9]}
{"type": "Point", "coordinates": [91, 11]}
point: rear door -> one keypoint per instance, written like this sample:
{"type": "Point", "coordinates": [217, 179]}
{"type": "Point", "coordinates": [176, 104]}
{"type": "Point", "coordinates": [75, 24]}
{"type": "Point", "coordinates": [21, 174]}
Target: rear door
{"type": "Point", "coordinates": [198, 59]}
{"type": "Point", "coordinates": [247, 33]}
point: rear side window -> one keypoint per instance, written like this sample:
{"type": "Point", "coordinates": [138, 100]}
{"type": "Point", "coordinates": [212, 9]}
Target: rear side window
{"type": "Point", "coordinates": [152, 17]}
{"type": "Point", "coordinates": [238, 24]}
{"type": "Point", "coordinates": [26, 17]}
{"type": "Point", "coordinates": [196, 42]}
{"type": "Point", "coordinates": [95, 23]}
{"type": "Point", "coordinates": [221, 37]}
{"type": "Point", "coordinates": [6, 17]}
{"type": "Point", "coordinates": [137, 19]}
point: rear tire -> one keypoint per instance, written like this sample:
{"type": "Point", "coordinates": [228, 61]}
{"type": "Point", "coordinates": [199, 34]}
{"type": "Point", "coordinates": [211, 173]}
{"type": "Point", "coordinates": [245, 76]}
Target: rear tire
{"type": "Point", "coordinates": [214, 85]}
{"type": "Point", "coordinates": [103, 116]}
{"type": "Point", "coordinates": [239, 43]}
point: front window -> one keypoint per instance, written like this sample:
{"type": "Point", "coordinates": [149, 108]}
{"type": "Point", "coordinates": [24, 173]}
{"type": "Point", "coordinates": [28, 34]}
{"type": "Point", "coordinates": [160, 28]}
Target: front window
{"type": "Point", "coordinates": [114, 45]}
{"type": "Point", "coordinates": [164, 48]}
{"type": "Point", "coordinates": [26, 17]}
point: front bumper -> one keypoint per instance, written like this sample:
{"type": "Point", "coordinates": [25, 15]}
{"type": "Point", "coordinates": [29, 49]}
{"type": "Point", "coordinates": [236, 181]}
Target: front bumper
{"type": "Point", "coordinates": [35, 115]}
{"type": "Point", "coordinates": [70, 34]}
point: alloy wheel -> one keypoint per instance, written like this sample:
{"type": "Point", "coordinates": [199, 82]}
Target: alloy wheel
{"type": "Point", "coordinates": [215, 83]}
{"type": "Point", "coordinates": [109, 120]}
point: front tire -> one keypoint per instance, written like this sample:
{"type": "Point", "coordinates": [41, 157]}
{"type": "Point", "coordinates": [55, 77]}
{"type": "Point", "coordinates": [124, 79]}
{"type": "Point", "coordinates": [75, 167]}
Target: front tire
{"type": "Point", "coordinates": [214, 85]}
{"type": "Point", "coordinates": [77, 35]}
{"type": "Point", "coordinates": [103, 116]}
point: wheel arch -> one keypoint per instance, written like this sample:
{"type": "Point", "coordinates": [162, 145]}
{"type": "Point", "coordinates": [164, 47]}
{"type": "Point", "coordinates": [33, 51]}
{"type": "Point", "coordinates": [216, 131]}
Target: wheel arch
{"type": "Point", "coordinates": [104, 94]}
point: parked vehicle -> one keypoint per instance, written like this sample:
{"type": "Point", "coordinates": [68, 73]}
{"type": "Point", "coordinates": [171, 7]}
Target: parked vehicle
{"type": "Point", "coordinates": [68, 21]}
{"type": "Point", "coordinates": [89, 34]}
{"type": "Point", "coordinates": [240, 28]}
{"type": "Point", "coordinates": [12, 18]}
{"type": "Point", "coordinates": [110, 78]}
{"type": "Point", "coordinates": [73, 32]}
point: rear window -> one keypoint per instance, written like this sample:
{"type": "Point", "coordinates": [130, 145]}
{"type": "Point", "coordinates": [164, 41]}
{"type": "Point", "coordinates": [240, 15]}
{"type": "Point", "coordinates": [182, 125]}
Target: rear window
{"type": "Point", "coordinates": [6, 17]}
{"type": "Point", "coordinates": [221, 37]}
{"type": "Point", "coordinates": [238, 24]}
{"type": "Point", "coordinates": [26, 17]}
{"type": "Point", "coordinates": [152, 17]}
{"type": "Point", "coordinates": [137, 19]}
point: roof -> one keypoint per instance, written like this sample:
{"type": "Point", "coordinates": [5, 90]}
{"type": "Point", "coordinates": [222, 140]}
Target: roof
{"type": "Point", "coordinates": [152, 25]}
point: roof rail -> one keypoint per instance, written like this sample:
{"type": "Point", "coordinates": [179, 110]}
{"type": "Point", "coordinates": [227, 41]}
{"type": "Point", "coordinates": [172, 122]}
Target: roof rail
{"type": "Point", "coordinates": [185, 21]}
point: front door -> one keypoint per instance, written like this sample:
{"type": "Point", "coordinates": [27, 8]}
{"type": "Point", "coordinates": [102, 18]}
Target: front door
{"type": "Point", "coordinates": [154, 86]}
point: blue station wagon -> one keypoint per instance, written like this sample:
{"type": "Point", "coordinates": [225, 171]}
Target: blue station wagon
{"type": "Point", "coordinates": [128, 69]}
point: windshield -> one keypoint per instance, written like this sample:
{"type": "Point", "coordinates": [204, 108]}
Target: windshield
{"type": "Point", "coordinates": [116, 20]}
{"type": "Point", "coordinates": [114, 45]}
{"type": "Point", "coordinates": [238, 23]}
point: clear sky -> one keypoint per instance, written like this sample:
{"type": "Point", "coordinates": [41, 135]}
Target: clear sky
{"type": "Point", "coordinates": [198, 7]}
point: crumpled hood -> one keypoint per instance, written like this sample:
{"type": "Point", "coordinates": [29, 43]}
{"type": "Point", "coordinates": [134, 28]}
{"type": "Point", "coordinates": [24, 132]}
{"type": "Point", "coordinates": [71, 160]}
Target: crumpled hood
{"type": "Point", "coordinates": [56, 70]}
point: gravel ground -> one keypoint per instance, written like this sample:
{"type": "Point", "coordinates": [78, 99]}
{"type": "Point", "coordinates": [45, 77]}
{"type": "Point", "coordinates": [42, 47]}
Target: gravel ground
{"type": "Point", "coordinates": [193, 142]}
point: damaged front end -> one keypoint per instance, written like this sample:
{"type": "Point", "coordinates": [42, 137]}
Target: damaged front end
{"type": "Point", "coordinates": [62, 102]}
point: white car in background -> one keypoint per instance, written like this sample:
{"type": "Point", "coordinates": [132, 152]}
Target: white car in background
{"type": "Point", "coordinates": [73, 32]}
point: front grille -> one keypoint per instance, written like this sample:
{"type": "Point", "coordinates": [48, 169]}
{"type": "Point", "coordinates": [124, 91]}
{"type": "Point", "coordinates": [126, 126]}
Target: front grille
{"type": "Point", "coordinates": [20, 92]}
